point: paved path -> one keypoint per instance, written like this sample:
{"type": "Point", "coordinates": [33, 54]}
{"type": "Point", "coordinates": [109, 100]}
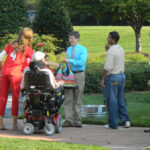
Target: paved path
{"type": "Point", "coordinates": [122, 139]}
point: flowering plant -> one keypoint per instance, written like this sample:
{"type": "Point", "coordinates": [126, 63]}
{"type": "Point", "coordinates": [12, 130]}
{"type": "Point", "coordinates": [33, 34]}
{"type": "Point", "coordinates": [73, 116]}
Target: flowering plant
{"type": "Point", "coordinates": [44, 43]}
{"type": "Point", "coordinates": [40, 44]}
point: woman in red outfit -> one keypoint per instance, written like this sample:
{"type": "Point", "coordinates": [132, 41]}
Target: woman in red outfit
{"type": "Point", "coordinates": [19, 55]}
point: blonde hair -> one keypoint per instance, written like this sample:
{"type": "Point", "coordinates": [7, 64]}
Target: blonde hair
{"type": "Point", "coordinates": [25, 38]}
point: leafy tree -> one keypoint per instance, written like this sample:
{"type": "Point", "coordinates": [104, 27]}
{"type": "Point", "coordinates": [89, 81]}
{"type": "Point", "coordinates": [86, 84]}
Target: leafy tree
{"type": "Point", "coordinates": [93, 8]}
{"type": "Point", "coordinates": [134, 13]}
{"type": "Point", "coordinates": [13, 16]}
{"type": "Point", "coordinates": [53, 18]}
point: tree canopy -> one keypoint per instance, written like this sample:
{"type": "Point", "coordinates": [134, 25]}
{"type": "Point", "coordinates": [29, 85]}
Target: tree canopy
{"type": "Point", "coordinates": [53, 18]}
{"type": "Point", "coordinates": [13, 16]}
{"type": "Point", "coordinates": [134, 13]}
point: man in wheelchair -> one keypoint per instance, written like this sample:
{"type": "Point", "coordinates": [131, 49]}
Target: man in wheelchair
{"type": "Point", "coordinates": [43, 97]}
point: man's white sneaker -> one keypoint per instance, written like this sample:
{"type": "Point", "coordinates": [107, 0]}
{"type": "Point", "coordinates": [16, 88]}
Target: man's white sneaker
{"type": "Point", "coordinates": [106, 126]}
{"type": "Point", "coordinates": [127, 124]}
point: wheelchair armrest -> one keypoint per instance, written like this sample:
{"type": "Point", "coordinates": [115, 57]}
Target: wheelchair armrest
{"type": "Point", "coordinates": [59, 90]}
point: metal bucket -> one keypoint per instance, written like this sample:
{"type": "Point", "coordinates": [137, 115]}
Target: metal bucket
{"type": "Point", "coordinates": [93, 111]}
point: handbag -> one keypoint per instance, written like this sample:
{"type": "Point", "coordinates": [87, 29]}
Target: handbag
{"type": "Point", "coordinates": [67, 76]}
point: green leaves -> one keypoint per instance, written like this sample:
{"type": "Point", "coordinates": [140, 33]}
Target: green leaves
{"type": "Point", "coordinates": [44, 43]}
{"type": "Point", "coordinates": [137, 75]}
{"type": "Point", "coordinates": [53, 18]}
{"type": "Point", "coordinates": [13, 15]}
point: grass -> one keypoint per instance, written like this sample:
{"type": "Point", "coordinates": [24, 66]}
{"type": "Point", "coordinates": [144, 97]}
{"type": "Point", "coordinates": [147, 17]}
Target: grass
{"type": "Point", "coordinates": [138, 105]}
{"type": "Point", "coordinates": [95, 37]}
{"type": "Point", "coordinates": [21, 144]}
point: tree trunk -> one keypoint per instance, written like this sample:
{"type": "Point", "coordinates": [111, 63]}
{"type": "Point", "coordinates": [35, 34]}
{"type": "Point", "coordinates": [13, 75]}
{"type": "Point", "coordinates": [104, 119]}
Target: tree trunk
{"type": "Point", "coordinates": [97, 21]}
{"type": "Point", "coordinates": [138, 41]}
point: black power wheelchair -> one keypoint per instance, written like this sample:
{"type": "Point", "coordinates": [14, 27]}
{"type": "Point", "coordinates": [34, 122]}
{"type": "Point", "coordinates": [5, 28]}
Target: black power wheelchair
{"type": "Point", "coordinates": [42, 104]}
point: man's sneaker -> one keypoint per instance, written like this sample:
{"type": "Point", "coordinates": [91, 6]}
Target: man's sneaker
{"type": "Point", "coordinates": [106, 126]}
{"type": "Point", "coordinates": [127, 124]}
{"type": "Point", "coordinates": [67, 123]}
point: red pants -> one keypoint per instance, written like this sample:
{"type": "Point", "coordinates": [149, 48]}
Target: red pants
{"type": "Point", "coordinates": [6, 82]}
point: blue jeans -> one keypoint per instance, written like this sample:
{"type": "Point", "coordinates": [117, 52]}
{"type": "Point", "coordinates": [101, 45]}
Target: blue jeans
{"type": "Point", "coordinates": [114, 99]}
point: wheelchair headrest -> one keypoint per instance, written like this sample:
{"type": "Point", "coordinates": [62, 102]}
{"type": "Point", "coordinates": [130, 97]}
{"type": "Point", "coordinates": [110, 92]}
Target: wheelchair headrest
{"type": "Point", "coordinates": [35, 79]}
{"type": "Point", "coordinates": [35, 65]}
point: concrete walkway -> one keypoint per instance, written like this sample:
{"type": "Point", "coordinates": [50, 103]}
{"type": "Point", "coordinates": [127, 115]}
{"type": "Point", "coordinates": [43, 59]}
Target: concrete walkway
{"type": "Point", "coordinates": [122, 139]}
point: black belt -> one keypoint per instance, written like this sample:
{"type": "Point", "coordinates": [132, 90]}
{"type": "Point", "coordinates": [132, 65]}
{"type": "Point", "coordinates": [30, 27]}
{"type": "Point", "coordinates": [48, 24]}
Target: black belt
{"type": "Point", "coordinates": [77, 71]}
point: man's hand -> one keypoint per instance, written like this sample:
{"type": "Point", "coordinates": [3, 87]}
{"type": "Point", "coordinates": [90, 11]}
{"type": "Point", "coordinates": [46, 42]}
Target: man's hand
{"type": "Point", "coordinates": [66, 60]}
{"type": "Point", "coordinates": [102, 83]}
{"type": "Point", "coordinates": [103, 78]}
{"type": "Point", "coordinates": [107, 47]}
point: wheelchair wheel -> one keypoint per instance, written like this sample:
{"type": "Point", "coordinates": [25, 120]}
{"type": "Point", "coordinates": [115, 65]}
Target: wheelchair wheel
{"type": "Point", "coordinates": [28, 129]}
{"type": "Point", "coordinates": [49, 129]}
{"type": "Point", "coordinates": [59, 124]}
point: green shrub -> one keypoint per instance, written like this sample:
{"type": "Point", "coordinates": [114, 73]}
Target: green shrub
{"type": "Point", "coordinates": [13, 16]}
{"type": "Point", "coordinates": [96, 58]}
{"type": "Point", "coordinates": [53, 18]}
{"type": "Point", "coordinates": [133, 57]}
{"type": "Point", "coordinates": [93, 76]}
{"type": "Point", "coordinates": [137, 75]}
{"type": "Point", "coordinates": [136, 57]}
{"type": "Point", "coordinates": [44, 43]}
{"type": "Point", "coordinates": [7, 39]}
{"type": "Point", "coordinates": [137, 72]}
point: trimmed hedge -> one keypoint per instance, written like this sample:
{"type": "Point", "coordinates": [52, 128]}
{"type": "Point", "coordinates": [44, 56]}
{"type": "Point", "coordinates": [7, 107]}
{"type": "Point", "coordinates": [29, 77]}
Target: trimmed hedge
{"type": "Point", "coordinates": [137, 75]}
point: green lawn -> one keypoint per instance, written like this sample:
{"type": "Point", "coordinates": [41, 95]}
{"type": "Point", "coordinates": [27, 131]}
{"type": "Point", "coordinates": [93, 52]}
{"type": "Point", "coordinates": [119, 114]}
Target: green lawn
{"type": "Point", "coordinates": [21, 144]}
{"type": "Point", "coordinates": [138, 105]}
{"type": "Point", "coordinates": [95, 37]}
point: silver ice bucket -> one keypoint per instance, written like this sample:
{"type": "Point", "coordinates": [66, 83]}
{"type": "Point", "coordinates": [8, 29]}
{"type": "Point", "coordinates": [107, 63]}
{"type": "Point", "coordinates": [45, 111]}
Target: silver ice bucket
{"type": "Point", "coordinates": [93, 111]}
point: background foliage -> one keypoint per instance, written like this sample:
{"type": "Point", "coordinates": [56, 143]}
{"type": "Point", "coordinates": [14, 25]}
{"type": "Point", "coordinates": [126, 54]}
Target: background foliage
{"type": "Point", "coordinates": [94, 38]}
{"type": "Point", "coordinates": [137, 75]}
{"type": "Point", "coordinates": [100, 12]}
{"type": "Point", "coordinates": [31, 4]}
{"type": "Point", "coordinates": [13, 16]}
{"type": "Point", "coordinates": [53, 18]}
{"type": "Point", "coordinates": [44, 43]}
